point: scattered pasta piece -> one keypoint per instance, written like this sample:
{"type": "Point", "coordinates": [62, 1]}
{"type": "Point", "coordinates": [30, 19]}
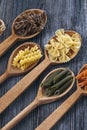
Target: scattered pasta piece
{"type": "Point", "coordinates": [62, 46]}
{"type": "Point", "coordinates": [2, 26]}
{"type": "Point", "coordinates": [27, 57]}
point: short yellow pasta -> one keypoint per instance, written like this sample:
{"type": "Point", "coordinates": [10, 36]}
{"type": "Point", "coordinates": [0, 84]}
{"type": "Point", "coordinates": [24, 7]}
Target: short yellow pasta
{"type": "Point", "coordinates": [60, 47]}
{"type": "Point", "coordinates": [27, 57]}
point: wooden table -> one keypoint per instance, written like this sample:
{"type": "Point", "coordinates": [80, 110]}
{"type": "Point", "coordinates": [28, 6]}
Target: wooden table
{"type": "Point", "coordinates": [67, 14]}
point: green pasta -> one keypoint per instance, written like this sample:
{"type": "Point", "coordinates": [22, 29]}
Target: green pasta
{"type": "Point", "coordinates": [49, 80]}
{"type": "Point", "coordinates": [57, 82]}
{"type": "Point", "coordinates": [64, 87]}
{"type": "Point", "coordinates": [50, 91]}
{"type": "Point", "coordinates": [59, 76]}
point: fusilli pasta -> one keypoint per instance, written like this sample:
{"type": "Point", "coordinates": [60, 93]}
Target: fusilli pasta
{"type": "Point", "coordinates": [26, 58]}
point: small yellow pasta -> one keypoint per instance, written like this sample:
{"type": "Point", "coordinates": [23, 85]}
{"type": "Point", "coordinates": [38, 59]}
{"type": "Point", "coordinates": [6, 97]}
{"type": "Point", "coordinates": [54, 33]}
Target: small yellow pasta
{"type": "Point", "coordinates": [60, 47]}
{"type": "Point", "coordinates": [27, 57]}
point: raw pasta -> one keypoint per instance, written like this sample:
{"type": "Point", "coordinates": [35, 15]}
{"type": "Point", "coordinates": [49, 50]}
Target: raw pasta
{"type": "Point", "coordinates": [2, 26]}
{"type": "Point", "coordinates": [27, 57]}
{"type": "Point", "coordinates": [62, 45]}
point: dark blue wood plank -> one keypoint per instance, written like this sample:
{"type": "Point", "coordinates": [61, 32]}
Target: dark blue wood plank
{"type": "Point", "coordinates": [67, 14]}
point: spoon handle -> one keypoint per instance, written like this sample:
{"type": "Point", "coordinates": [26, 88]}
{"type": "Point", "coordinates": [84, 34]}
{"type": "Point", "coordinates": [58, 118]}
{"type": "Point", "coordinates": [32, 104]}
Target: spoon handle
{"type": "Point", "coordinates": [3, 77]}
{"type": "Point", "coordinates": [48, 123]}
{"type": "Point", "coordinates": [22, 85]}
{"type": "Point", "coordinates": [21, 115]}
{"type": "Point", "coordinates": [6, 44]}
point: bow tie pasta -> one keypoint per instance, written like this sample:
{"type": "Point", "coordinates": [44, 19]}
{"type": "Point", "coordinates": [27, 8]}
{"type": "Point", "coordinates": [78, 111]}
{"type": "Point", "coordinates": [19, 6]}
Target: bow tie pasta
{"type": "Point", "coordinates": [27, 57]}
{"type": "Point", "coordinates": [62, 46]}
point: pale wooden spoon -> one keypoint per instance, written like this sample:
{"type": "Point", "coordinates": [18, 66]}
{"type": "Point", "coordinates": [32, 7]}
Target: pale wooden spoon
{"type": "Point", "coordinates": [63, 108]}
{"type": "Point", "coordinates": [5, 45]}
{"type": "Point", "coordinates": [39, 100]}
{"type": "Point", "coordinates": [19, 88]}
{"type": "Point", "coordinates": [13, 71]}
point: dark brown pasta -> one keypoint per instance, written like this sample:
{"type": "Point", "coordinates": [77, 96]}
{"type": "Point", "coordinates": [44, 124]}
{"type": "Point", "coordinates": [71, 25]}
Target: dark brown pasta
{"type": "Point", "coordinates": [29, 22]}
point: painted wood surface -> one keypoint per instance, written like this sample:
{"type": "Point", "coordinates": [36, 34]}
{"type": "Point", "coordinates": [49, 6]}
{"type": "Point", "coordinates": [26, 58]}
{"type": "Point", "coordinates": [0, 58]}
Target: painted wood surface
{"type": "Point", "coordinates": [67, 14]}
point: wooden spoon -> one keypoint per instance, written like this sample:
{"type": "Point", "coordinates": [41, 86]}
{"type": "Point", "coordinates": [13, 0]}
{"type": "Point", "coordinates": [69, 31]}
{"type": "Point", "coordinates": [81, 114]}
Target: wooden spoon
{"type": "Point", "coordinates": [61, 110]}
{"type": "Point", "coordinates": [19, 88]}
{"type": "Point", "coordinates": [39, 100]}
{"type": "Point", "coordinates": [5, 45]}
{"type": "Point", "coordinates": [13, 71]}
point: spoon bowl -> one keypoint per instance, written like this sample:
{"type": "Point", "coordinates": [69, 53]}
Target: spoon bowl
{"type": "Point", "coordinates": [13, 71]}
{"type": "Point", "coordinates": [83, 91]}
{"type": "Point", "coordinates": [40, 99]}
{"type": "Point", "coordinates": [21, 47]}
{"type": "Point", "coordinates": [36, 11]}
{"type": "Point", "coordinates": [47, 99]}
{"type": "Point", "coordinates": [69, 32]}
{"type": "Point", "coordinates": [5, 45]}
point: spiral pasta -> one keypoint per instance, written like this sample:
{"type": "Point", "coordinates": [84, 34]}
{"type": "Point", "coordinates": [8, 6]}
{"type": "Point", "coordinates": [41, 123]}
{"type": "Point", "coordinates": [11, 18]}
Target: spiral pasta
{"type": "Point", "coordinates": [27, 57]}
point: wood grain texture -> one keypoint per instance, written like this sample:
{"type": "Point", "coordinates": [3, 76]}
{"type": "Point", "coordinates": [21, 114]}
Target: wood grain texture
{"type": "Point", "coordinates": [67, 14]}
